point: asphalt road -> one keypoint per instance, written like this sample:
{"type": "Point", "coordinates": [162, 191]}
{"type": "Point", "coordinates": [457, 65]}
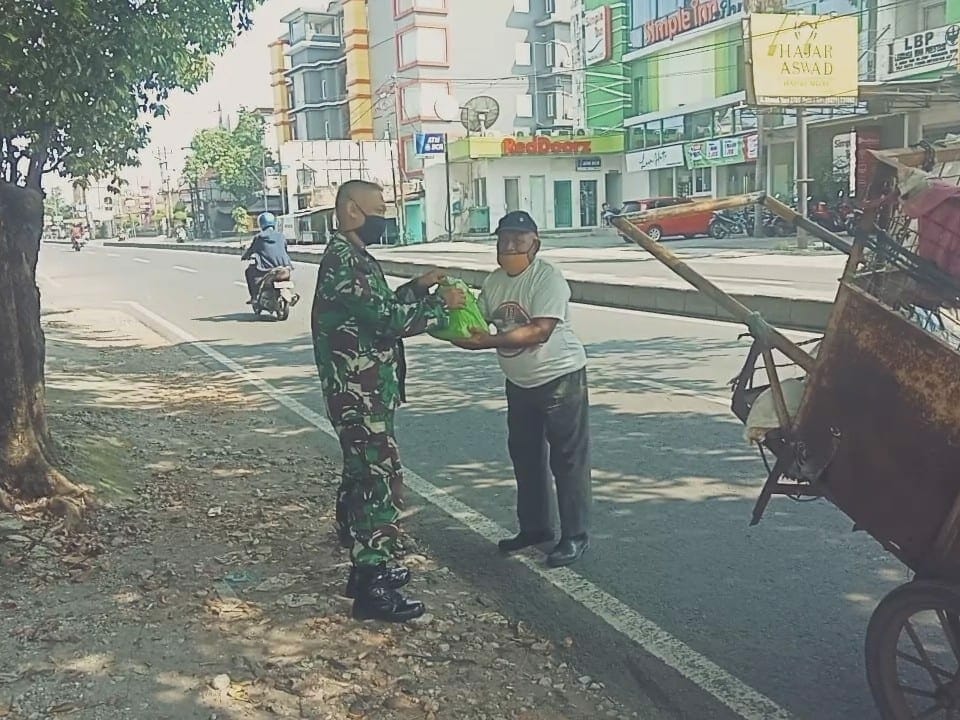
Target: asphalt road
{"type": "Point", "coordinates": [782, 607]}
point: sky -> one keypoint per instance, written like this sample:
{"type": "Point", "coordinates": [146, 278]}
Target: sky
{"type": "Point", "coordinates": [241, 78]}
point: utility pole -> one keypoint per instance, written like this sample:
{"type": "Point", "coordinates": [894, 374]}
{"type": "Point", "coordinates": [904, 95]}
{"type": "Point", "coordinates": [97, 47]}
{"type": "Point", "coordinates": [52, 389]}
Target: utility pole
{"type": "Point", "coordinates": [162, 157]}
{"type": "Point", "coordinates": [397, 201]}
{"type": "Point", "coordinates": [803, 172]}
{"type": "Point", "coordinates": [263, 179]}
{"type": "Point", "coordinates": [760, 180]}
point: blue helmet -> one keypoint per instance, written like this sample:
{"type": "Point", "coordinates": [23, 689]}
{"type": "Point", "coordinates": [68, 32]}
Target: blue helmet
{"type": "Point", "coordinates": [267, 220]}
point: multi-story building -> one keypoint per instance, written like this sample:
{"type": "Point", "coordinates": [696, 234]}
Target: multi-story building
{"type": "Point", "coordinates": [430, 59]}
{"type": "Point", "coordinates": [918, 56]}
{"type": "Point", "coordinates": [687, 80]}
{"type": "Point", "coordinates": [321, 74]}
{"type": "Point", "coordinates": [690, 130]}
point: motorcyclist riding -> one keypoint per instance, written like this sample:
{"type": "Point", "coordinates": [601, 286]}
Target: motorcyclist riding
{"type": "Point", "coordinates": [268, 249]}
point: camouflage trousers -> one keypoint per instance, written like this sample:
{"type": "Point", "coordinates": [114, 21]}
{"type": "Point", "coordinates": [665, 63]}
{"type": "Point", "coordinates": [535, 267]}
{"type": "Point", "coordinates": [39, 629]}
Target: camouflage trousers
{"type": "Point", "coordinates": [370, 497]}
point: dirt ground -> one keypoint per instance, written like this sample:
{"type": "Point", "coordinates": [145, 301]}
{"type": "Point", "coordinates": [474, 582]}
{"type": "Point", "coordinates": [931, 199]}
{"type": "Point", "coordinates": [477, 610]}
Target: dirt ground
{"type": "Point", "coordinates": [207, 583]}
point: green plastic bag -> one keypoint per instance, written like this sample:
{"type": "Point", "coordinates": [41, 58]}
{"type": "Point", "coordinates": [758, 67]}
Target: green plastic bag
{"type": "Point", "coordinates": [464, 320]}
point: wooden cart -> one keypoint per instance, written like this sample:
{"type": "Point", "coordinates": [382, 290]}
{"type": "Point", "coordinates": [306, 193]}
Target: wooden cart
{"type": "Point", "coordinates": [877, 429]}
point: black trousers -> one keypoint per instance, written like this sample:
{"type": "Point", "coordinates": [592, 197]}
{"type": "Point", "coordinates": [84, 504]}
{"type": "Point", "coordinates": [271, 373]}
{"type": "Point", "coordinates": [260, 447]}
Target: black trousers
{"type": "Point", "coordinates": [549, 430]}
{"type": "Point", "coordinates": [254, 276]}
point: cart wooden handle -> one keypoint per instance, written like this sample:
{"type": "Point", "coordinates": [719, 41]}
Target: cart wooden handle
{"type": "Point", "coordinates": [740, 312]}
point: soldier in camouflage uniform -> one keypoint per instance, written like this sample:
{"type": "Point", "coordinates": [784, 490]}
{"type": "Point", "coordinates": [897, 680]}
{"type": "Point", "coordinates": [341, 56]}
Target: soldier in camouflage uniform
{"type": "Point", "coordinates": [358, 324]}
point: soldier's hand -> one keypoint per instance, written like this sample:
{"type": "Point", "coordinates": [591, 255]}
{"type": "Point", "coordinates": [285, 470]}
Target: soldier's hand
{"type": "Point", "coordinates": [453, 297]}
{"type": "Point", "coordinates": [431, 278]}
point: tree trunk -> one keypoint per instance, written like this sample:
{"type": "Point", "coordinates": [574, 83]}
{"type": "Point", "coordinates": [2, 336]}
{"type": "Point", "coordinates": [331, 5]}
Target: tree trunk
{"type": "Point", "coordinates": [25, 447]}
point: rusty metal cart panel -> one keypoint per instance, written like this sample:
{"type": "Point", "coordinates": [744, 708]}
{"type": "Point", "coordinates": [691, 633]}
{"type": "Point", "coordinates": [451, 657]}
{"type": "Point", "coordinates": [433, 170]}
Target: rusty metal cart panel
{"type": "Point", "coordinates": [881, 418]}
{"type": "Point", "coordinates": [877, 428]}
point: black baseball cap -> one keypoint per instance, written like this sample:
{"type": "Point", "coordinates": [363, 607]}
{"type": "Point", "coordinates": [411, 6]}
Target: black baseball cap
{"type": "Point", "coordinates": [518, 220]}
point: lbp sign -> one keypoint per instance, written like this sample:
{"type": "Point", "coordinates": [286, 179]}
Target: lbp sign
{"type": "Point", "coordinates": [430, 144]}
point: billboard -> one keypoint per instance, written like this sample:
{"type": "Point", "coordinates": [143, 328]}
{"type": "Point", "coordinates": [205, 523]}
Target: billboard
{"type": "Point", "coordinates": [802, 60]}
{"type": "Point", "coordinates": [920, 52]}
{"type": "Point", "coordinates": [597, 35]}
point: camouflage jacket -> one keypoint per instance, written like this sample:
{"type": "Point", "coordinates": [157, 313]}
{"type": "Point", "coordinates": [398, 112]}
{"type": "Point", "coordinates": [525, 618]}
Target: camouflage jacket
{"type": "Point", "coordinates": [358, 324]}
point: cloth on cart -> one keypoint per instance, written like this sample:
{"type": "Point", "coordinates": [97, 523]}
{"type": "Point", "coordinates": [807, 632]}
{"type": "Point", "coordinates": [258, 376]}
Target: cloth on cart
{"type": "Point", "coordinates": [763, 415]}
{"type": "Point", "coordinates": [935, 205]}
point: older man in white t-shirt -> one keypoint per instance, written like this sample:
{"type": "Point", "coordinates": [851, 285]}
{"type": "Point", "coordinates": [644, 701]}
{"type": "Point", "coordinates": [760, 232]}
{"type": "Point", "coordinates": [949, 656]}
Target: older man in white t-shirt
{"type": "Point", "coordinates": [528, 300]}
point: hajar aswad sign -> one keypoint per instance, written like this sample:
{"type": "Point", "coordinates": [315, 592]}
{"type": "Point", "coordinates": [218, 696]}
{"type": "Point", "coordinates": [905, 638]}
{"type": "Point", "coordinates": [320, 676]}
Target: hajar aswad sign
{"type": "Point", "coordinates": [541, 145]}
{"type": "Point", "coordinates": [803, 60]}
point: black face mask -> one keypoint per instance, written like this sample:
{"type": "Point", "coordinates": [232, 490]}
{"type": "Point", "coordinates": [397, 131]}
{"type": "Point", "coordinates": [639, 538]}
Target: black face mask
{"type": "Point", "coordinates": [372, 229]}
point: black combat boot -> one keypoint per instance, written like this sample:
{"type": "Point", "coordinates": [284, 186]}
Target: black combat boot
{"type": "Point", "coordinates": [377, 600]}
{"type": "Point", "coordinates": [396, 578]}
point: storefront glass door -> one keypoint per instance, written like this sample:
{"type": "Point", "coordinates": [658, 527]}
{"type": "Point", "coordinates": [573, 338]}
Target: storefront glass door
{"type": "Point", "coordinates": [588, 203]}
{"type": "Point", "coordinates": [563, 203]}
{"type": "Point", "coordinates": [538, 199]}
{"type": "Point", "coordinates": [511, 193]}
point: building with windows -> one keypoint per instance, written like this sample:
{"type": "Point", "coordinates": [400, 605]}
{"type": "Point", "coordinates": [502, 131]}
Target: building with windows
{"type": "Point", "coordinates": [324, 63]}
{"type": "Point", "coordinates": [430, 58]}
{"type": "Point", "coordinates": [688, 132]}
{"type": "Point", "coordinates": [918, 58]}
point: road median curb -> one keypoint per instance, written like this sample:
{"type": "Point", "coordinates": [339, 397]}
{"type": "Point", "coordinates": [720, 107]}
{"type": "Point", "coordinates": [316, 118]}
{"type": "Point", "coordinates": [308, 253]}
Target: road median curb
{"type": "Point", "coordinates": [805, 314]}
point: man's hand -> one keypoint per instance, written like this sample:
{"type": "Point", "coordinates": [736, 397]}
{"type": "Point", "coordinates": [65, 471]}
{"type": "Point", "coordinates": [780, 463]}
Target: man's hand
{"type": "Point", "coordinates": [478, 340]}
{"type": "Point", "coordinates": [453, 297]}
{"type": "Point", "coordinates": [431, 278]}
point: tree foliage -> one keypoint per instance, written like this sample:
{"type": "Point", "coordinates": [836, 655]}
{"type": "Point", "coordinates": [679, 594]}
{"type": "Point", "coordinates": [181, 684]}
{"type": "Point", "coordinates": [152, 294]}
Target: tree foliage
{"type": "Point", "coordinates": [54, 204]}
{"type": "Point", "coordinates": [236, 156]}
{"type": "Point", "coordinates": [82, 79]}
{"type": "Point", "coordinates": [80, 82]}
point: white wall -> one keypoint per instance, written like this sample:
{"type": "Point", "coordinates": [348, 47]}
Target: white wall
{"type": "Point", "coordinates": [496, 170]}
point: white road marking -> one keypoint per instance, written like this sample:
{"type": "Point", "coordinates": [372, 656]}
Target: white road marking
{"type": "Point", "coordinates": [141, 260]}
{"type": "Point", "coordinates": [110, 254]}
{"type": "Point", "coordinates": [181, 268]}
{"type": "Point", "coordinates": [742, 699]}
{"type": "Point", "coordinates": [240, 284]}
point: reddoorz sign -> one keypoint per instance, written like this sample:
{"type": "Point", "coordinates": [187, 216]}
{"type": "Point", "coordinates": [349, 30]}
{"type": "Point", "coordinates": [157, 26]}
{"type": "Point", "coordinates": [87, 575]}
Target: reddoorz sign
{"type": "Point", "coordinates": [544, 146]}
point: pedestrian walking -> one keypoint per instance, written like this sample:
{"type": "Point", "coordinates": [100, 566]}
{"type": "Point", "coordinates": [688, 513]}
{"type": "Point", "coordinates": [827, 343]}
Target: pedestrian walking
{"type": "Point", "coordinates": [548, 426]}
{"type": "Point", "coordinates": [358, 324]}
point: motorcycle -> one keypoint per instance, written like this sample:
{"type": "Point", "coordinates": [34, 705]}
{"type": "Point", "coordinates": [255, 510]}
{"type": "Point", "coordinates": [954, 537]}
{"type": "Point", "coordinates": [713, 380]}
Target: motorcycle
{"type": "Point", "coordinates": [76, 244]}
{"type": "Point", "coordinates": [276, 294]}
{"type": "Point", "coordinates": [853, 221]}
{"type": "Point", "coordinates": [823, 215]}
{"type": "Point", "coordinates": [731, 222]}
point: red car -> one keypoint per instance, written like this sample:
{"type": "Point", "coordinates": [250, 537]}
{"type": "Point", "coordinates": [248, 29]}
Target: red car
{"type": "Point", "coordinates": [687, 226]}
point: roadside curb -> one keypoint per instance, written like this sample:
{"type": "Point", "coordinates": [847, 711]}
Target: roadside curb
{"type": "Point", "coordinates": [791, 313]}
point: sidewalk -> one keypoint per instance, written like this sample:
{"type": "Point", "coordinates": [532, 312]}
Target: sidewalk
{"type": "Point", "coordinates": [207, 585]}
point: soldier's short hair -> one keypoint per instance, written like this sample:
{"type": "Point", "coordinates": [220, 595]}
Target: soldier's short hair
{"type": "Point", "coordinates": [347, 190]}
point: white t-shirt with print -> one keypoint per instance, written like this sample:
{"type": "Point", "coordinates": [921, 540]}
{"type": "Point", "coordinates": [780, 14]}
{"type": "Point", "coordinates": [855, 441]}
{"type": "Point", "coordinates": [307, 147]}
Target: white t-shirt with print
{"type": "Point", "coordinates": [540, 291]}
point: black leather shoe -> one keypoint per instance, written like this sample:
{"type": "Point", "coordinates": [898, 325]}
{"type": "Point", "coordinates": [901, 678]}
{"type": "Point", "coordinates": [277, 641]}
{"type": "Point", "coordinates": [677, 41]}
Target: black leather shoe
{"type": "Point", "coordinates": [568, 551]}
{"type": "Point", "coordinates": [525, 540]}
{"type": "Point", "coordinates": [376, 600]}
{"type": "Point", "coordinates": [395, 577]}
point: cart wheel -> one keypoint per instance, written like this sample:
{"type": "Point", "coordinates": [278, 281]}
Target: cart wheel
{"type": "Point", "coordinates": [913, 652]}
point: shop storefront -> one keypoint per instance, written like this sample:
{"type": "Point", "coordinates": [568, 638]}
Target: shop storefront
{"type": "Point", "coordinates": [562, 181]}
{"type": "Point", "coordinates": [712, 167]}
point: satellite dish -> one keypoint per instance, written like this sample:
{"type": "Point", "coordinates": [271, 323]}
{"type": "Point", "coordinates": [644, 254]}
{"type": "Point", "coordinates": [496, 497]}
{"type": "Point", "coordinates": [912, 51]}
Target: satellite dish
{"type": "Point", "coordinates": [447, 108]}
{"type": "Point", "coordinates": [479, 113]}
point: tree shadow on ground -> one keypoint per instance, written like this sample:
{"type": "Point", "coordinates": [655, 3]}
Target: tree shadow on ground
{"type": "Point", "coordinates": [674, 484]}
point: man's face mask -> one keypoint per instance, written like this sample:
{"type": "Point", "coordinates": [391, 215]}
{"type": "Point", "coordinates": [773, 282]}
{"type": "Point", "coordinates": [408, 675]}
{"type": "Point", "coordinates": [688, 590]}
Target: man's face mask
{"type": "Point", "coordinates": [372, 229]}
{"type": "Point", "coordinates": [515, 251]}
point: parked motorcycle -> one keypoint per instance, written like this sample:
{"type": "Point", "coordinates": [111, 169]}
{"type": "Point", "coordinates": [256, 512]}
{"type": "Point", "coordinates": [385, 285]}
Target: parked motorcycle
{"type": "Point", "coordinates": [853, 221]}
{"type": "Point", "coordinates": [725, 223]}
{"type": "Point", "coordinates": [825, 216]}
{"type": "Point", "coordinates": [276, 294]}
